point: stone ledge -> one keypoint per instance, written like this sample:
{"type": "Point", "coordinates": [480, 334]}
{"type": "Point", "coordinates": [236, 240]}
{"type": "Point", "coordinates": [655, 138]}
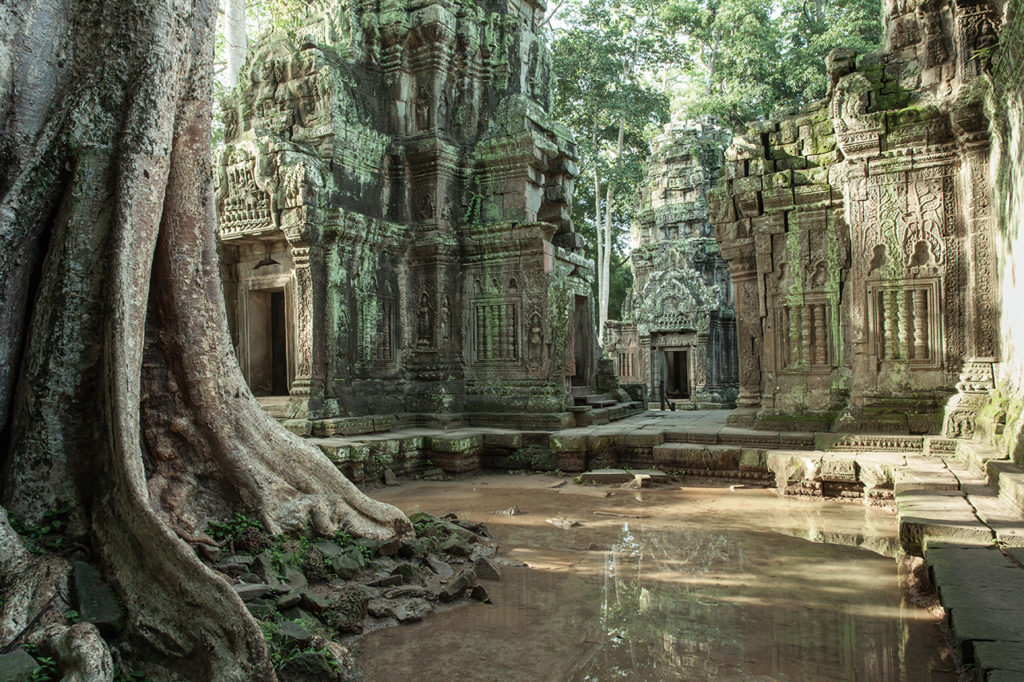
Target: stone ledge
{"type": "Point", "coordinates": [927, 516]}
{"type": "Point", "coordinates": [983, 593]}
{"type": "Point", "coordinates": [924, 474]}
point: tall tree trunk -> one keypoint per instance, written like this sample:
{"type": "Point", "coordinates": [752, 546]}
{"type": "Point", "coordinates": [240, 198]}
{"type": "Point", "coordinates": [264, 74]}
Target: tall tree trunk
{"type": "Point", "coordinates": [236, 40]}
{"type": "Point", "coordinates": [120, 397]}
{"type": "Point", "coordinates": [597, 225]}
{"type": "Point", "coordinates": [605, 264]}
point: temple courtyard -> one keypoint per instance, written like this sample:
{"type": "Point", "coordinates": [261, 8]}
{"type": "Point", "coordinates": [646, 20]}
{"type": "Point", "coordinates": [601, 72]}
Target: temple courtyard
{"type": "Point", "coordinates": [675, 505]}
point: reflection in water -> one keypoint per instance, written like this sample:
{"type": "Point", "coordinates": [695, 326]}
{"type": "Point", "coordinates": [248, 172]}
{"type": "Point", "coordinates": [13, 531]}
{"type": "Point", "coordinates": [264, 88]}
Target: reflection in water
{"type": "Point", "coordinates": [712, 584]}
{"type": "Point", "coordinates": [668, 612]}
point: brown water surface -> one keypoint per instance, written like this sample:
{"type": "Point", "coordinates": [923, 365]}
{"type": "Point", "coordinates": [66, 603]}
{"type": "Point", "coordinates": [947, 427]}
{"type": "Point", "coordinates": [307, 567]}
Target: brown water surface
{"type": "Point", "coordinates": [710, 584]}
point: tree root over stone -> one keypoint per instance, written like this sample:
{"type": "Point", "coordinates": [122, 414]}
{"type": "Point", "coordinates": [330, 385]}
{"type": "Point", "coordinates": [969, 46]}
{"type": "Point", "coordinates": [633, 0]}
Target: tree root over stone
{"type": "Point", "coordinates": [120, 397]}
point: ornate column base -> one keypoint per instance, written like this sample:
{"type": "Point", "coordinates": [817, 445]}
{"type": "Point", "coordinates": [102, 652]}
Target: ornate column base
{"type": "Point", "coordinates": [977, 380]}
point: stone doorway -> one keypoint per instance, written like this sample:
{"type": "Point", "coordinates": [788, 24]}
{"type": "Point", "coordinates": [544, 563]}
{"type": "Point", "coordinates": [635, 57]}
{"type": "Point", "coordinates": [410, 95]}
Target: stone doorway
{"type": "Point", "coordinates": [268, 342]}
{"type": "Point", "coordinates": [677, 374]}
{"type": "Point", "coordinates": [583, 349]}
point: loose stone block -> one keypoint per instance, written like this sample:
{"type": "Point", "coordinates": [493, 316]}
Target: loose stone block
{"type": "Point", "coordinates": [17, 666]}
{"type": "Point", "coordinates": [602, 476]}
{"type": "Point", "coordinates": [95, 601]}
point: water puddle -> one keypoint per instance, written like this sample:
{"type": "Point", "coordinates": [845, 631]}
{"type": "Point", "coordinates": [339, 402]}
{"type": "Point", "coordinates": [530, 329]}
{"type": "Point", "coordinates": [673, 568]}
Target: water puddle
{"type": "Point", "coordinates": [672, 583]}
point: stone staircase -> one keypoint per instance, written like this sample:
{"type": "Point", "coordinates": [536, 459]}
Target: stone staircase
{"type": "Point", "coordinates": [590, 408]}
{"type": "Point", "coordinates": [964, 514]}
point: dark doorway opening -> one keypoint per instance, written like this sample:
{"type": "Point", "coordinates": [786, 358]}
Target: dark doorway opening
{"type": "Point", "coordinates": [583, 342]}
{"type": "Point", "coordinates": [278, 345]}
{"type": "Point", "coordinates": [677, 374]}
{"type": "Point", "coordinates": [268, 343]}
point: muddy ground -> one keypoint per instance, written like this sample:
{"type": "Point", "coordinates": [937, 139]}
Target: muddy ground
{"type": "Point", "coordinates": [668, 583]}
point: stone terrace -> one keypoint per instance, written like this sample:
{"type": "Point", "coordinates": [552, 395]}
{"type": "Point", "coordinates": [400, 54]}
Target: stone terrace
{"type": "Point", "coordinates": [959, 506]}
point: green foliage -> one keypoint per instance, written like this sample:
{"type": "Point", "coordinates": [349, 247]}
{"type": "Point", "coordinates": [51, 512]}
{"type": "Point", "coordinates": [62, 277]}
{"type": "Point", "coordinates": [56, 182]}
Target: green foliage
{"type": "Point", "coordinates": [232, 528]}
{"type": "Point", "coordinates": [282, 652]}
{"type": "Point", "coordinates": [344, 540]}
{"type": "Point", "coordinates": [744, 58]}
{"type": "Point", "coordinates": [49, 536]}
{"type": "Point", "coordinates": [534, 457]}
{"type": "Point", "coordinates": [46, 669]}
{"type": "Point", "coordinates": [607, 63]}
{"type": "Point", "coordinates": [72, 616]}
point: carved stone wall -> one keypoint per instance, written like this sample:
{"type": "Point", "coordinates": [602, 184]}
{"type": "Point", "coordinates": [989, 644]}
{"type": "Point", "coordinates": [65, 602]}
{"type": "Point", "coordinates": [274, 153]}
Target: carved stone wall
{"type": "Point", "coordinates": [392, 172]}
{"type": "Point", "coordinates": [680, 309]}
{"type": "Point", "coordinates": [860, 236]}
{"type": "Point", "coordinates": [1001, 419]}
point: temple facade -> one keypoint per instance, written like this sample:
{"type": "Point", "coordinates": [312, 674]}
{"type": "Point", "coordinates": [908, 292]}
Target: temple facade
{"type": "Point", "coordinates": [393, 207]}
{"type": "Point", "coordinates": [859, 235]}
{"type": "Point", "coordinates": [678, 333]}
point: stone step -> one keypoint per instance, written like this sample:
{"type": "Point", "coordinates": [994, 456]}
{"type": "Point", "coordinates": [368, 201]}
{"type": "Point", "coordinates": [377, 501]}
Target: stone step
{"type": "Point", "coordinates": [1008, 479]}
{"type": "Point", "coordinates": [928, 516]}
{"type": "Point", "coordinates": [982, 590]}
{"type": "Point", "coordinates": [581, 391]}
{"type": "Point", "coordinates": [750, 438]}
{"type": "Point", "coordinates": [1005, 520]}
{"type": "Point", "coordinates": [976, 456]}
{"type": "Point", "coordinates": [601, 476]}
{"type": "Point", "coordinates": [922, 473]}
{"type": "Point", "coordinates": [693, 457]}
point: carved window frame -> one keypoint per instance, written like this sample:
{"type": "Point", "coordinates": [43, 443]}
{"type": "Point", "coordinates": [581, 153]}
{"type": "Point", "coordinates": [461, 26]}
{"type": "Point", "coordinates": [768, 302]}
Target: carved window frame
{"type": "Point", "coordinates": [932, 287]}
{"type": "Point", "coordinates": [513, 302]}
{"type": "Point", "coordinates": [823, 299]}
{"type": "Point", "coordinates": [368, 361]}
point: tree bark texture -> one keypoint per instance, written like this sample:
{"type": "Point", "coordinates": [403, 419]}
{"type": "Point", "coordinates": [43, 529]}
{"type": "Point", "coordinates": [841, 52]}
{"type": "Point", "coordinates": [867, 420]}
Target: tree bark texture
{"type": "Point", "coordinates": [236, 40]}
{"type": "Point", "coordinates": [120, 397]}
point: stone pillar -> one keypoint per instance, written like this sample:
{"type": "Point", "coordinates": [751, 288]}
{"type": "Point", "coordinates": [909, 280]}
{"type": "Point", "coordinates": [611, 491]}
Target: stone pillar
{"type": "Point", "coordinates": [749, 338]}
{"type": "Point", "coordinates": [308, 389]}
{"type": "Point", "coordinates": [977, 375]}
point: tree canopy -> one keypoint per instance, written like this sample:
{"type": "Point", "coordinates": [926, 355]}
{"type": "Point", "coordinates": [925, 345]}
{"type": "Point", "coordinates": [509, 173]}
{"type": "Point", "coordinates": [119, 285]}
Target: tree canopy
{"type": "Point", "coordinates": [622, 65]}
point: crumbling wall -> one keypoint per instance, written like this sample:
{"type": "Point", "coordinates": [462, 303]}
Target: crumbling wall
{"type": "Point", "coordinates": [859, 234]}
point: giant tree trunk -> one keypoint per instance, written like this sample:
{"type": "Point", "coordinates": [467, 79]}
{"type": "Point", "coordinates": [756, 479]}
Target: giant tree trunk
{"type": "Point", "coordinates": [236, 40]}
{"type": "Point", "coordinates": [120, 397]}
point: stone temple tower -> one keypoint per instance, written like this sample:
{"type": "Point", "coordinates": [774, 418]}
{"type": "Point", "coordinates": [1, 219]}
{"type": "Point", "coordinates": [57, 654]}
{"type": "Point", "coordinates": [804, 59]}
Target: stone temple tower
{"type": "Point", "coordinates": [679, 330]}
{"type": "Point", "coordinates": [393, 205]}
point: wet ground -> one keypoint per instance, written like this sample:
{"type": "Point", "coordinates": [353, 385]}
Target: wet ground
{"type": "Point", "coordinates": [674, 583]}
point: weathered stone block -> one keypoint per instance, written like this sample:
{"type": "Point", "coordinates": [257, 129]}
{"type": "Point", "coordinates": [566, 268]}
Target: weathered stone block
{"type": "Point", "coordinates": [95, 601]}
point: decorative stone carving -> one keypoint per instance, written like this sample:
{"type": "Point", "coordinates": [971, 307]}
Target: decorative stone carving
{"type": "Point", "coordinates": [680, 307]}
{"type": "Point", "coordinates": [382, 161]}
{"type": "Point", "coordinates": [868, 217]}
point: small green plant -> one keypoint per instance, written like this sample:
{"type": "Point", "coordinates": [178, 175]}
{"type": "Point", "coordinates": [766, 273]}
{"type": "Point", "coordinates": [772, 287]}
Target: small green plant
{"type": "Point", "coordinates": [49, 536]}
{"type": "Point", "coordinates": [46, 669]}
{"type": "Point", "coordinates": [345, 540]}
{"type": "Point", "coordinates": [281, 653]}
{"type": "Point", "coordinates": [533, 457]}
{"type": "Point", "coordinates": [232, 528]}
{"type": "Point", "coordinates": [73, 616]}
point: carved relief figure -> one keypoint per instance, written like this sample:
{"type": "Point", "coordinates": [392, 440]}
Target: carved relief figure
{"type": "Point", "coordinates": [422, 109]}
{"type": "Point", "coordinates": [424, 323]}
{"type": "Point", "coordinates": [535, 342]}
{"type": "Point", "coordinates": [442, 113]}
{"type": "Point", "coordinates": [446, 320]}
